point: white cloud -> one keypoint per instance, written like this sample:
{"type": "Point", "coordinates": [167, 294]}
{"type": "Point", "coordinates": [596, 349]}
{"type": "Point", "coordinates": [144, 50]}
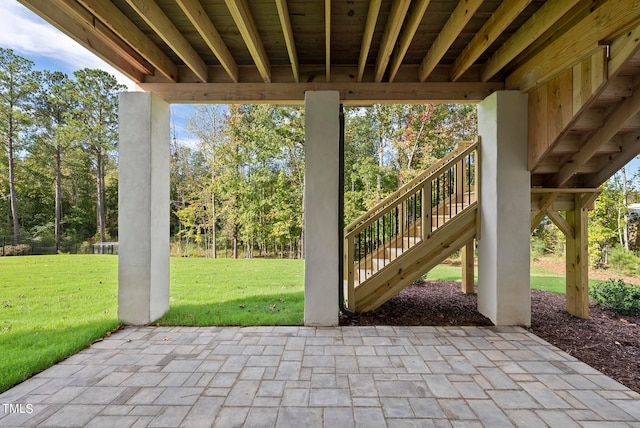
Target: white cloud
{"type": "Point", "coordinates": [30, 36]}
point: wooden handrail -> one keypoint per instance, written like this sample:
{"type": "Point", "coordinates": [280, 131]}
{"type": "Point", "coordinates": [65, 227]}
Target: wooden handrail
{"type": "Point", "coordinates": [401, 223]}
{"type": "Point", "coordinates": [405, 191]}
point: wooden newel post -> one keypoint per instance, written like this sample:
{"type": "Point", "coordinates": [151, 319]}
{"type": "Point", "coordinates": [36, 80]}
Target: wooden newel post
{"type": "Point", "coordinates": [468, 280]}
{"type": "Point", "coordinates": [350, 275]}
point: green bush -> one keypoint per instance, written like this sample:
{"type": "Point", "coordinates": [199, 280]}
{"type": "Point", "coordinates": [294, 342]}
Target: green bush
{"type": "Point", "coordinates": [623, 260]}
{"type": "Point", "coordinates": [617, 296]}
{"type": "Point", "coordinates": [538, 248]}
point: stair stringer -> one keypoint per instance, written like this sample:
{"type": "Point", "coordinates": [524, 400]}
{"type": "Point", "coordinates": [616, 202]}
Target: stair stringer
{"type": "Point", "coordinates": [417, 260]}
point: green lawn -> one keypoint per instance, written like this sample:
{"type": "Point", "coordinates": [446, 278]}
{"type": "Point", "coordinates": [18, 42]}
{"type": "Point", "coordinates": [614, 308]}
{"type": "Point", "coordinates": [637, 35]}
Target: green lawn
{"type": "Point", "coordinates": [50, 307]}
{"type": "Point", "coordinates": [235, 292]}
{"type": "Point", "coordinates": [541, 279]}
{"type": "Point", "coordinates": [53, 306]}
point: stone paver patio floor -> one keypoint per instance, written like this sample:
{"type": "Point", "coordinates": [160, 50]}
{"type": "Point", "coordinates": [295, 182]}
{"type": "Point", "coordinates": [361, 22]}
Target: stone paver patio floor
{"type": "Point", "coordinates": [321, 377]}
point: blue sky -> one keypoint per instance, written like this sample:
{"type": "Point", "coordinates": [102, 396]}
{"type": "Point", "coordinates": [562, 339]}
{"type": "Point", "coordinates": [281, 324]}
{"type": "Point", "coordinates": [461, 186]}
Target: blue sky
{"type": "Point", "coordinates": [33, 38]}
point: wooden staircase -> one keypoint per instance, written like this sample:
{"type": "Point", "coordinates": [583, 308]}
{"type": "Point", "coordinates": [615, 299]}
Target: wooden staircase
{"type": "Point", "coordinates": [388, 248]}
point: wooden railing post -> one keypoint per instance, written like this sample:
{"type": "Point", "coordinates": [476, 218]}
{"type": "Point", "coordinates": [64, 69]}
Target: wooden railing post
{"type": "Point", "coordinates": [402, 220]}
{"type": "Point", "coordinates": [460, 180]}
{"type": "Point", "coordinates": [425, 220]}
{"type": "Point", "coordinates": [468, 278]}
{"type": "Point", "coordinates": [349, 263]}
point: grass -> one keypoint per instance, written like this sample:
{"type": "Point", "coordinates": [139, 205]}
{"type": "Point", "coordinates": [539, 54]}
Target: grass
{"type": "Point", "coordinates": [235, 292]}
{"type": "Point", "coordinates": [50, 307]}
{"type": "Point", "coordinates": [541, 279]}
{"type": "Point", "coordinates": [53, 306]}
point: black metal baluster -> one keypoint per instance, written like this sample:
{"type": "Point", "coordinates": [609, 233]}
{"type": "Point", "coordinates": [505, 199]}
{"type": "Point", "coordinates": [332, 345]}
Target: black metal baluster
{"type": "Point", "coordinates": [437, 202]}
{"type": "Point", "coordinates": [378, 243]}
{"type": "Point", "coordinates": [359, 253]}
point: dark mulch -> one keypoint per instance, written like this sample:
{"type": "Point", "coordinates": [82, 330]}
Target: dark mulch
{"type": "Point", "coordinates": [608, 342]}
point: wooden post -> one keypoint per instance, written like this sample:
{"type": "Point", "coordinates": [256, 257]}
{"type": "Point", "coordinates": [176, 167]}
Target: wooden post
{"type": "Point", "coordinates": [350, 277]}
{"type": "Point", "coordinates": [577, 287]}
{"type": "Point", "coordinates": [460, 185]}
{"type": "Point", "coordinates": [468, 279]}
{"type": "Point", "coordinates": [425, 221]}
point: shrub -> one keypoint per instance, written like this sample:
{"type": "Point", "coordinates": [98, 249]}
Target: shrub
{"type": "Point", "coordinates": [617, 296]}
{"type": "Point", "coordinates": [623, 260]}
{"type": "Point", "coordinates": [18, 250]}
{"type": "Point", "coordinates": [538, 248]}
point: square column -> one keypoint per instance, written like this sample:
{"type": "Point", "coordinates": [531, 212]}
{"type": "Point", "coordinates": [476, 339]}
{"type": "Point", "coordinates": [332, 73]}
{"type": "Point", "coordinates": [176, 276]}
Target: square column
{"type": "Point", "coordinates": [321, 220]}
{"type": "Point", "coordinates": [504, 294]}
{"type": "Point", "coordinates": [143, 208]}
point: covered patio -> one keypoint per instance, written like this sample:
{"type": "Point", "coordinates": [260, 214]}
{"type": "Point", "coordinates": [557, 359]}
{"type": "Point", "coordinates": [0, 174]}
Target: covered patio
{"type": "Point", "coordinates": [556, 83]}
{"type": "Point", "coordinates": [321, 377]}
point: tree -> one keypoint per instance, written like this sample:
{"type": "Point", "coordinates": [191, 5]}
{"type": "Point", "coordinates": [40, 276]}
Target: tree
{"type": "Point", "coordinates": [54, 104]}
{"type": "Point", "coordinates": [18, 82]}
{"type": "Point", "coordinates": [95, 121]}
{"type": "Point", "coordinates": [207, 123]}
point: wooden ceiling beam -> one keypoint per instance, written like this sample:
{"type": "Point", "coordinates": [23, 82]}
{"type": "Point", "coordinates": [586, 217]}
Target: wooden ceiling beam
{"type": "Point", "coordinates": [574, 45]}
{"type": "Point", "coordinates": [122, 26]}
{"type": "Point", "coordinates": [548, 14]}
{"type": "Point", "coordinates": [246, 25]}
{"type": "Point", "coordinates": [415, 16]}
{"type": "Point", "coordinates": [504, 15]}
{"type": "Point", "coordinates": [87, 19]}
{"type": "Point", "coordinates": [163, 27]}
{"type": "Point", "coordinates": [351, 93]}
{"type": "Point", "coordinates": [567, 199]}
{"type": "Point", "coordinates": [202, 23]}
{"type": "Point", "coordinates": [622, 49]}
{"type": "Point", "coordinates": [391, 32]}
{"type": "Point", "coordinates": [287, 31]}
{"type": "Point", "coordinates": [552, 166]}
{"type": "Point", "coordinates": [369, 27]}
{"type": "Point", "coordinates": [56, 14]}
{"type": "Point", "coordinates": [450, 32]}
{"type": "Point", "coordinates": [629, 149]}
{"type": "Point", "coordinates": [612, 125]}
{"type": "Point", "coordinates": [571, 144]}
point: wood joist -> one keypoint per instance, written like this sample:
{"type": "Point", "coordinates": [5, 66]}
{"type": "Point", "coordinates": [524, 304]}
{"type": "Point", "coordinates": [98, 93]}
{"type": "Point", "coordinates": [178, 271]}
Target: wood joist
{"type": "Point", "coordinates": [584, 123]}
{"type": "Point", "coordinates": [575, 203]}
{"type": "Point", "coordinates": [234, 44]}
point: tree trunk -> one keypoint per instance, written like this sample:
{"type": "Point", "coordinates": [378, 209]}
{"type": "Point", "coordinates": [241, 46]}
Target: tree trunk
{"type": "Point", "coordinates": [235, 242]}
{"type": "Point", "coordinates": [100, 200]}
{"type": "Point", "coordinates": [213, 223]}
{"type": "Point", "coordinates": [302, 230]}
{"type": "Point", "coordinates": [625, 202]}
{"type": "Point", "coordinates": [12, 187]}
{"type": "Point", "coordinates": [58, 198]}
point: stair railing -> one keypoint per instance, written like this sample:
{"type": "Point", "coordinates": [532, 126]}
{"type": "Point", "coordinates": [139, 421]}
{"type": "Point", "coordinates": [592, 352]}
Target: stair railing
{"type": "Point", "coordinates": [409, 216]}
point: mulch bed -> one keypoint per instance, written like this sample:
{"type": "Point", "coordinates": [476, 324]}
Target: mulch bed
{"type": "Point", "coordinates": [607, 341]}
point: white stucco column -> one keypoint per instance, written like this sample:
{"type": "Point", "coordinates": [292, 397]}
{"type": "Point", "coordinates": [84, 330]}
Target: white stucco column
{"type": "Point", "coordinates": [143, 208]}
{"type": "Point", "coordinates": [321, 192]}
{"type": "Point", "coordinates": [504, 245]}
